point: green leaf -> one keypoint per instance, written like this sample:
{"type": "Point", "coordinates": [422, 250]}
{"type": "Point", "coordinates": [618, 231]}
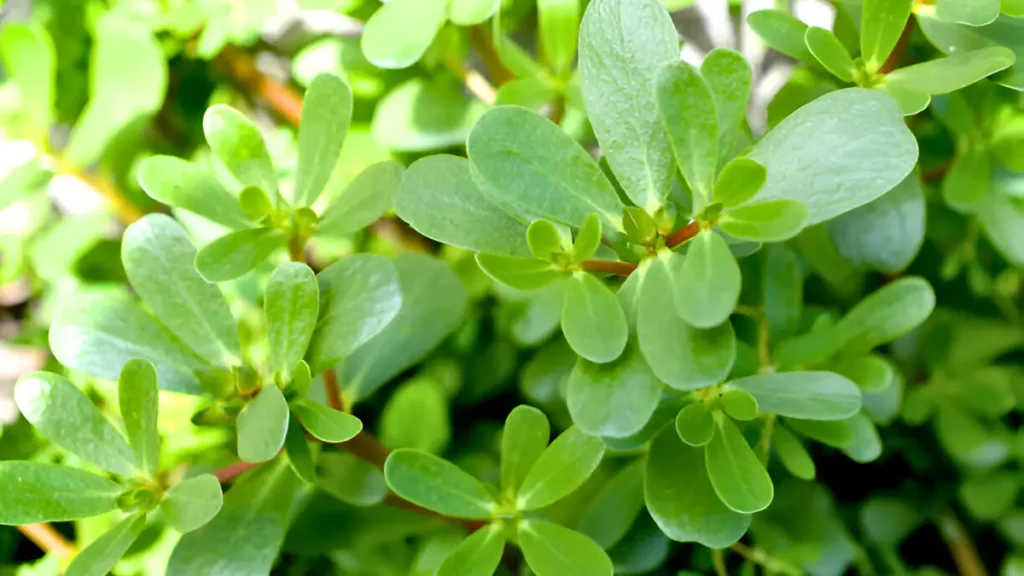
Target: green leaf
{"type": "Point", "coordinates": [66, 417]}
{"type": "Point", "coordinates": [37, 492]}
{"type": "Point", "coordinates": [326, 113]}
{"type": "Point", "coordinates": [359, 296]}
{"type": "Point", "coordinates": [771, 221]}
{"type": "Point", "coordinates": [27, 181]}
{"type": "Point", "coordinates": [783, 32]}
{"type": "Point", "coordinates": [865, 445]}
{"type": "Point", "coordinates": [185, 185]}
{"type": "Point", "coordinates": [695, 424]}
{"type": "Point", "coordinates": [236, 253]}
{"type": "Point", "coordinates": [638, 225]}
{"type": "Point", "coordinates": [416, 416]}
{"type": "Point", "coordinates": [525, 437]}
{"type": "Point", "coordinates": [887, 313]}
{"type": "Point", "coordinates": [437, 485]}
{"type": "Point", "coordinates": [989, 497]}
{"type": "Point", "coordinates": [296, 449]}
{"type": "Point", "coordinates": [246, 537]}
{"type": "Point", "coordinates": [558, 22]}
{"type": "Point", "coordinates": [882, 23]}
{"type": "Point", "coordinates": [439, 199]}
{"type": "Point", "coordinates": [560, 469]}
{"type": "Point", "coordinates": [127, 84]}
{"type": "Point", "coordinates": [365, 200]}
{"type": "Point", "coordinates": [910, 101]}
{"type": "Point", "coordinates": [836, 433]}
{"type": "Point", "coordinates": [825, 170]}
{"type": "Point", "coordinates": [619, 68]}
{"type": "Point", "coordinates": [477, 555]}
{"type": "Point", "coordinates": [688, 113]}
{"type": "Point", "coordinates": [739, 478]}
{"type": "Point", "coordinates": [98, 333]}
{"type": "Point", "coordinates": [792, 454]}
{"type": "Point", "coordinates": [138, 401]}
{"type": "Point", "coordinates": [783, 291]}
{"type": "Point", "coordinates": [611, 513]}
{"type": "Point", "coordinates": [255, 203]}
{"type": "Point", "coordinates": [262, 425]}
{"type": "Point", "coordinates": [534, 167]}
{"type": "Point", "coordinates": [543, 238]}
{"type": "Point", "coordinates": [158, 259]}
{"type": "Point", "coordinates": [100, 556]}
{"type": "Point", "coordinates": [707, 285]}
{"type": "Point", "coordinates": [350, 479]}
{"type": "Point", "coordinates": [684, 357]}
{"type": "Point", "coordinates": [290, 305]}
{"type": "Point", "coordinates": [952, 72]}
{"type": "Point", "coordinates": [470, 12]}
{"type": "Point", "coordinates": [239, 145]}
{"type": "Point", "coordinates": [730, 78]}
{"type": "Point", "coordinates": [739, 405]}
{"type": "Point", "coordinates": [588, 239]}
{"type": "Point", "coordinates": [738, 182]}
{"type": "Point", "coordinates": [433, 304]}
{"type": "Point", "coordinates": [399, 32]}
{"type": "Point", "coordinates": [421, 115]}
{"type": "Point", "coordinates": [592, 319]}
{"type": "Point", "coordinates": [518, 272]}
{"type": "Point", "coordinates": [614, 399]}
{"type": "Point", "coordinates": [807, 395]}
{"type": "Point", "coordinates": [687, 511]}
{"type": "Point", "coordinates": [830, 52]}
{"type": "Point", "coordinates": [870, 373]}
{"type": "Point", "coordinates": [193, 502]}
{"type": "Point", "coordinates": [885, 234]}
{"type": "Point", "coordinates": [325, 423]}
{"type": "Point", "coordinates": [953, 38]}
{"type": "Point", "coordinates": [553, 550]}
{"type": "Point", "coordinates": [970, 12]}
{"type": "Point", "coordinates": [29, 58]}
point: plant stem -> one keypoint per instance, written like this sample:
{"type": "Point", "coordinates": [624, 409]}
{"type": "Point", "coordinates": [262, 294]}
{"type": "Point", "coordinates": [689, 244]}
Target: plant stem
{"type": "Point", "coordinates": [764, 445]}
{"type": "Point", "coordinates": [608, 266]}
{"type": "Point", "coordinates": [332, 390]}
{"type": "Point", "coordinates": [48, 539]}
{"type": "Point", "coordinates": [770, 563]}
{"type": "Point", "coordinates": [232, 471]}
{"type": "Point", "coordinates": [683, 234]}
{"type": "Point", "coordinates": [718, 561]}
{"type": "Point", "coordinates": [893, 61]}
{"type": "Point", "coordinates": [965, 555]}
{"type": "Point", "coordinates": [241, 68]}
{"type": "Point", "coordinates": [480, 40]}
{"type": "Point", "coordinates": [477, 85]}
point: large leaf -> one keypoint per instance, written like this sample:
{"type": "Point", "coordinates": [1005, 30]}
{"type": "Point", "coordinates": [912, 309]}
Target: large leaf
{"type": "Point", "coordinates": [100, 556]}
{"type": "Point", "coordinates": [433, 304]}
{"type": "Point", "coordinates": [882, 23]}
{"type": "Point", "coordinates": [525, 437]}
{"type": "Point", "coordinates": [952, 72]}
{"type": "Point", "coordinates": [30, 58]}
{"type": "Point", "coordinates": [398, 34]}
{"type": "Point", "coordinates": [37, 492]}
{"type": "Point", "coordinates": [262, 425]}
{"type": "Point", "coordinates": [65, 416]}
{"type": "Point", "coordinates": [477, 555]}
{"type": "Point", "coordinates": [959, 38]}
{"type": "Point", "coordinates": [439, 199]}
{"type": "Point", "coordinates": [839, 152]}
{"type": "Point", "coordinates": [97, 334]}
{"type": "Point", "coordinates": [553, 550]}
{"type": "Point", "coordinates": [560, 469]}
{"type": "Point", "coordinates": [326, 113]}
{"type": "Point", "coordinates": [239, 145]}
{"type": "Point", "coordinates": [138, 401]}
{"type": "Point", "coordinates": [364, 200]}
{"type": "Point", "coordinates": [687, 511]}
{"type": "Point", "coordinates": [593, 321]}
{"type": "Point", "coordinates": [291, 304]}
{"type": "Point", "coordinates": [807, 395]}
{"type": "Point", "coordinates": [437, 485]}
{"type": "Point", "coordinates": [359, 295]}
{"type": "Point", "coordinates": [533, 166]}
{"type": "Point", "coordinates": [158, 259]}
{"type": "Point", "coordinates": [247, 534]}
{"type": "Point", "coordinates": [614, 399]}
{"type": "Point", "coordinates": [185, 185]}
{"type": "Point", "coordinates": [623, 46]}
{"type": "Point", "coordinates": [970, 12]}
{"type": "Point", "coordinates": [707, 284]}
{"type": "Point", "coordinates": [236, 253]}
{"type": "Point", "coordinates": [687, 109]}
{"type": "Point", "coordinates": [739, 478]}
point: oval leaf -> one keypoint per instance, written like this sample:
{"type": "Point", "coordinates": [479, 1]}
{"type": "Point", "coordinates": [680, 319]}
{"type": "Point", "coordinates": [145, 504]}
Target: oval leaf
{"type": "Point", "coordinates": [830, 52]}
{"type": "Point", "coordinates": [614, 399]}
{"type": "Point", "coordinates": [953, 72]}
{"type": "Point", "coordinates": [138, 401]}
{"type": "Point", "coordinates": [183, 184]}
{"type": "Point", "coordinates": [363, 201]}
{"type": "Point", "coordinates": [525, 437]}
{"type": "Point", "coordinates": [772, 221]}
{"type": "Point", "coordinates": [707, 286]}
{"type": "Point", "coordinates": [399, 32]}
{"type": "Point", "coordinates": [437, 485]}
{"type": "Point", "coordinates": [37, 492]}
{"type": "Point", "coordinates": [688, 113]}
{"type": "Point", "coordinates": [291, 305]}
{"type": "Point", "coordinates": [193, 502]}
{"type": "Point", "coordinates": [739, 478]}
{"type": "Point", "coordinates": [239, 145]}
{"type": "Point", "coordinates": [560, 469]}
{"type": "Point", "coordinates": [477, 555]}
{"type": "Point", "coordinates": [807, 395]}
{"type": "Point", "coordinates": [695, 424]}
{"type": "Point", "coordinates": [593, 321]}
{"type": "Point", "coordinates": [553, 550]}
{"type": "Point", "coordinates": [99, 557]}
{"type": "Point", "coordinates": [517, 272]}
{"type": "Point", "coordinates": [262, 425]}
{"type": "Point", "coordinates": [236, 253]}
{"type": "Point", "coordinates": [326, 113]}
{"type": "Point", "coordinates": [326, 423]}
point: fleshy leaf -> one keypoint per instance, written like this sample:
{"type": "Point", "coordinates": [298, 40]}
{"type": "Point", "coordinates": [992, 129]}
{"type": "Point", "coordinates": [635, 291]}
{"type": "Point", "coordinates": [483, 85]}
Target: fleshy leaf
{"type": "Point", "coordinates": [970, 12]}
{"type": "Point", "coordinates": [100, 556]}
{"type": "Point", "coordinates": [38, 492]}
{"type": "Point", "coordinates": [29, 56]}
{"type": "Point", "coordinates": [730, 78]}
{"type": "Point", "coordinates": [185, 185]}
{"type": "Point", "coordinates": [588, 239]}
{"type": "Point", "coordinates": [236, 253]}
{"type": "Point", "coordinates": [688, 113]}
{"type": "Point", "coordinates": [553, 550]}
{"type": "Point", "coordinates": [239, 145]}
{"type": "Point", "coordinates": [526, 435]}
{"type": "Point", "coordinates": [882, 23]}
{"type": "Point", "coordinates": [739, 478]}
{"type": "Point", "coordinates": [953, 38]}
{"type": "Point", "coordinates": [952, 72]}
{"type": "Point", "coordinates": [771, 221]}
{"type": "Point", "coordinates": [325, 423]}
{"type": "Point", "coordinates": [708, 283]}
{"type": "Point", "coordinates": [193, 502]}
{"type": "Point", "coordinates": [560, 469]}
{"type": "Point", "coordinates": [783, 32]}
{"type": "Point", "coordinates": [695, 424]}
{"type": "Point", "coordinates": [792, 454]}
{"type": "Point", "coordinates": [437, 485]}
{"type": "Point", "coordinates": [518, 272]}
{"type": "Point", "coordinates": [558, 23]}
{"type": "Point", "coordinates": [363, 201]}
{"type": "Point", "coordinates": [824, 45]}
{"type": "Point", "coordinates": [291, 304]}
{"type": "Point", "coordinates": [592, 319]}
{"type": "Point", "coordinates": [477, 555]}
{"type": "Point", "coordinates": [807, 395]}
{"type": "Point", "coordinates": [738, 182]}
{"type": "Point", "coordinates": [399, 32]}
{"type": "Point", "coordinates": [262, 425]}
{"type": "Point", "coordinates": [614, 399]}
{"type": "Point", "coordinates": [739, 405]}
{"type": "Point", "coordinates": [137, 399]}
{"type": "Point", "coordinates": [326, 113]}
{"type": "Point", "coordinates": [296, 449]}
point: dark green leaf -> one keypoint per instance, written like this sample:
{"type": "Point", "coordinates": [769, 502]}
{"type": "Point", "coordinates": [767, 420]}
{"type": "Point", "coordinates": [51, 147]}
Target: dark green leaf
{"type": "Point", "coordinates": [37, 492]}
{"type": "Point", "coordinates": [236, 253]}
{"type": "Point", "coordinates": [262, 425]}
{"type": "Point", "coordinates": [99, 557]}
{"type": "Point", "coordinates": [326, 423]}
{"type": "Point", "coordinates": [593, 321]}
{"type": "Point", "coordinates": [560, 469]}
{"type": "Point", "coordinates": [707, 284]}
{"type": "Point", "coordinates": [437, 485]}
{"type": "Point", "coordinates": [614, 399]}
{"type": "Point", "coordinates": [364, 200]}
{"type": "Point", "coordinates": [477, 555]}
{"type": "Point", "coordinates": [695, 424]}
{"type": "Point", "coordinates": [137, 399]}
{"type": "Point", "coordinates": [416, 416]}
{"type": "Point", "coordinates": [739, 478]}
{"type": "Point", "coordinates": [526, 435]}
{"type": "Point", "coordinates": [688, 112]}
{"type": "Point", "coordinates": [239, 145]}
{"type": "Point", "coordinates": [185, 185]}
{"type": "Point", "coordinates": [290, 305]}
{"type": "Point", "coordinates": [553, 550]}
{"type": "Point", "coordinates": [193, 502]}
{"type": "Point", "coordinates": [808, 395]}
{"type": "Point", "coordinates": [326, 113]}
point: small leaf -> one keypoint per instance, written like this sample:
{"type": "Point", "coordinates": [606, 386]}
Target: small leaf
{"type": "Point", "coordinates": [359, 296]}
{"type": "Point", "coordinates": [364, 200]}
{"type": "Point", "coordinates": [236, 253]}
{"type": "Point", "coordinates": [592, 319]}
{"type": "Point", "coordinates": [638, 225]}
{"type": "Point", "coordinates": [614, 399]}
{"type": "Point", "coordinates": [560, 469]}
{"type": "Point", "coordinates": [296, 448]}
{"type": "Point", "coordinates": [262, 425]}
{"type": "Point", "coordinates": [828, 50]}
{"type": "Point", "coordinates": [185, 185]}
{"type": "Point", "coordinates": [792, 454]}
{"type": "Point", "coordinates": [437, 485]}
{"type": "Point", "coordinates": [970, 12]}
{"type": "Point", "coordinates": [588, 239]}
{"type": "Point", "coordinates": [695, 424]}
{"type": "Point", "coordinates": [417, 416]}
{"type": "Point", "coordinates": [525, 437]}
{"type": "Point", "coordinates": [29, 57]}
{"type": "Point", "coordinates": [255, 203]}
{"type": "Point", "coordinates": [910, 101]}
{"type": "Point", "coordinates": [193, 502]}
{"type": "Point", "coordinates": [477, 555]}
{"type": "Point", "coordinates": [137, 399]}
{"type": "Point", "coordinates": [738, 182]}
{"type": "Point", "coordinates": [870, 373]}
{"type": "Point", "coordinates": [882, 23]}
{"type": "Point", "coordinates": [399, 32]}
{"type": "Point", "coordinates": [291, 305]}
{"type": "Point", "coordinates": [739, 405]}
{"type": "Point", "coordinates": [783, 32]}
{"type": "Point", "coordinates": [807, 395]}
{"type": "Point", "coordinates": [688, 113]}
{"type": "Point", "coordinates": [544, 239]}
{"type": "Point", "coordinates": [836, 433]}
{"type": "Point", "coordinates": [326, 113]}
{"type": "Point", "coordinates": [553, 550]}
{"type": "Point", "coordinates": [771, 221]}
{"type": "Point", "coordinates": [37, 492]}
{"type": "Point", "coordinates": [239, 145]}
{"type": "Point", "coordinates": [730, 78]}
{"type": "Point", "coordinates": [952, 38]}
{"type": "Point", "coordinates": [100, 556]}
{"type": "Point", "coordinates": [470, 12]}
{"type": "Point", "coordinates": [519, 273]}
{"type": "Point", "coordinates": [954, 72]}
{"type": "Point", "coordinates": [739, 478]}
{"type": "Point", "coordinates": [558, 23]}
{"type": "Point", "coordinates": [66, 417]}
{"type": "Point", "coordinates": [708, 283]}
{"type": "Point", "coordinates": [325, 423]}
{"type": "Point", "coordinates": [350, 479]}
{"type": "Point", "coordinates": [887, 313]}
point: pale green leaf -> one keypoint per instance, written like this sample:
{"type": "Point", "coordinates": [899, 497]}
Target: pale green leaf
{"type": "Point", "coordinates": [593, 321]}
{"type": "Point", "coordinates": [421, 115]}
{"type": "Point", "coordinates": [807, 395]}
{"type": "Point", "coordinates": [553, 550]}
{"type": "Point", "coordinates": [707, 285]}
{"type": "Point", "coordinates": [240, 147]}
{"type": "Point", "coordinates": [29, 58]}
{"type": "Point", "coordinates": [291, 304]}
{"type": "Point", "coordinates": [477, 555]}
{"type": "Point", "coordinates": [739, 478]}
{"type": "Point", "coordinates": [193, 502]}
{"type": "Point", "coordinates": [688, 113]}
{"type": "Point", "coordinates": [970, 12]}
{"type": "Point", "coordinates": [730, 78]}
{"type": "Point", "coordinates": [558, 22]}
{"type": "Point", "coordinates": [695, 424]}
{"type": "Point", "coordinates": [137, 398]}
{"type": "Point", "coordinates": [781, 31]}
{"type": "Point", "coordinates": [470, 12]}
{"type": "Point", "coordinates": [738, 182]}
{"type": "Point", "coordinates": [739, 404]}
{"type": "Point", "coordinates": [364, 200]}
{"type": "Point", "coordinates": [792, 454]}
{"type": "Point", "coordinates": [518, 272]}
{"type": "Point", "coordinates": [262, 425]}
{"type": "Point", "coordinates": [614, 399]}
{"type": "Point", "coordinates": [525, 437]}
{"type": "Point", "coordinates": [588, 239]}
{"type": "Point", "coordinates": [38, 492]}
{"type": "Point", "coordinates": [326, 113]}
{"type": "Point", "coordinates": [953, 72]}
{"type": "Point", "coordinates": [185, 185]}
{"type": "Point", "coordinates": [882, 23]}
{"type": "Point", "coordinates": [910, 101]}
{"type": "Point", "coordinates": [771, 221]}
{"type": "Point", "coordinates": [325, 423]}
{"type": "Point", "coordinates": [437, 485]}
{"type": "Point", "coordinates": [350, 478]}
{"type": "Point", "coordinates": [953, 38]}
{"type": "Point", "coordinates": [399, 32]}
{"type": "Point", "coordinates": [236, 253]}
{"type": "Point", "coordinates": [830, 52]}
{"type": "Point", "coordinates": [560, 469]}
{"type": "Point", "coordinates": [100, 556]}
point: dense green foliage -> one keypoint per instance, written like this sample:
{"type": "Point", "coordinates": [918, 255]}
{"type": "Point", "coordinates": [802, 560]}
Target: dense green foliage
{"type": "Point", "coordinates": [510, 287]}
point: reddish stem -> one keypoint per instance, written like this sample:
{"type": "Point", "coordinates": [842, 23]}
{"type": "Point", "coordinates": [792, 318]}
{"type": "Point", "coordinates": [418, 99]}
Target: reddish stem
{"type": "Point", "coordinates": [230, 472]}
{"type": "Point", "coordinates": [683, 234]}
{"type": "Point", "coordinates": [893, 61]}
{"type": "Point", "coordinates": [609, 267]}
